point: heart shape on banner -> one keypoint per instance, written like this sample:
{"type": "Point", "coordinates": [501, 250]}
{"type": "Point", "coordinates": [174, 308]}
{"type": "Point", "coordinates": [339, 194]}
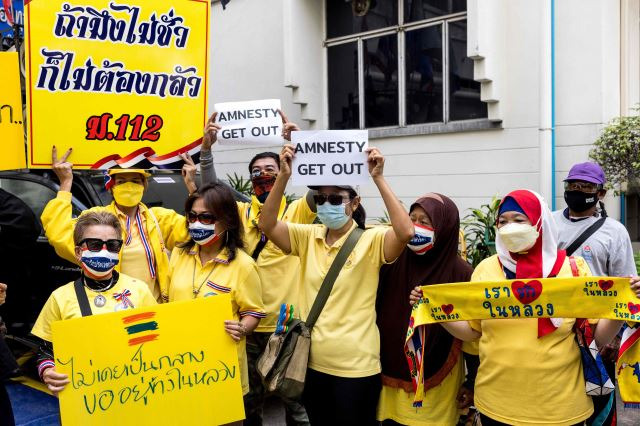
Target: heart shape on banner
{"type": "Point", "coordinates": [633, 307]}
{"type": "Point", "coordinates": [447, 309]}
{"type": "Point", "coordinates": [605, 284]}
{"type": "Point", "coordinates": [526, 292]}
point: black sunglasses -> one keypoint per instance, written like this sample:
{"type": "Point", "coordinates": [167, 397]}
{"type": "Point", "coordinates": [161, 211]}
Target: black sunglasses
{"type": "Point", "coordinates": [334, 199]}
{"type": "Point", "coordinates": [96, 244]}
{"type": "Point", "coordinates": [203, 218]}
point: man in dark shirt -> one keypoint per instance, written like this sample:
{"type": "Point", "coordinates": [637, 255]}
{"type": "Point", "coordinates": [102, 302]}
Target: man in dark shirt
{"type": "Point", "coordinates": [19, 229]}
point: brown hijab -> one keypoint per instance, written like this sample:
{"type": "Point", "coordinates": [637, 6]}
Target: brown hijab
{"type": "Point", "coordinates": [439, 265]}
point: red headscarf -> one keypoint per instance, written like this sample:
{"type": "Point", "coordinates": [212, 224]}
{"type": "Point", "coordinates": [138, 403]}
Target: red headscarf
{"type": "Point", "coordinates": [543, 260]}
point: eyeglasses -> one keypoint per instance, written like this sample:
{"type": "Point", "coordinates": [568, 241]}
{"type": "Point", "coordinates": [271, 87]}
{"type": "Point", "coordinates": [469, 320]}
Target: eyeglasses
{"type": "Point", "coordinates": [334, 199]}
{"type": "Point", "coordinates": [96, 244]}
{"type": "Point", "coordinates": [203, 218]}
{"type": "Point", "coordinates": [257, 173]}
{"type": "Point", "coordinates": [582, 186]}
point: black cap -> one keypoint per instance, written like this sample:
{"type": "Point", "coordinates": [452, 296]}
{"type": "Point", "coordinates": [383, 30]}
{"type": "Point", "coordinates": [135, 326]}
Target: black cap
{"type": "Point", "coordinates": [345, 187]}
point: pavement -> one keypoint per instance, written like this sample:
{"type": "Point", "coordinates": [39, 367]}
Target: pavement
{"type": "Point", "coordinates": [36, 408]}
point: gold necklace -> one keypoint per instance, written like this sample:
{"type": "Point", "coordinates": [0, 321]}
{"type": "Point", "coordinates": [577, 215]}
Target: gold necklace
{"type": "Point", "coordinates": [193, 279]}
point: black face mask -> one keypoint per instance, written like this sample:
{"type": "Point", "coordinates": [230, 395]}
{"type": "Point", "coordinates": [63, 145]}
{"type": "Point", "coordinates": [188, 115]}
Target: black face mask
{"type": "Point", "coordinates": [579, 201]}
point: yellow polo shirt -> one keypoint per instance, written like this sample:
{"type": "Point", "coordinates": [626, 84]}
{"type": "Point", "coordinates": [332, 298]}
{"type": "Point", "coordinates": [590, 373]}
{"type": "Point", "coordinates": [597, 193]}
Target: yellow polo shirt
{"type": "Point", "coordinates": [134, 260]}
{"type": "Point", "coordinates": [238, 277]}
{"type": "Point", "coordinates": [525, 380]}
{"type": "Point", "coordinates": [279, 273]}
{"type": "Point", "coordinates": [63, 303]}
{"type": "Point", "coordinates": [345, 339]}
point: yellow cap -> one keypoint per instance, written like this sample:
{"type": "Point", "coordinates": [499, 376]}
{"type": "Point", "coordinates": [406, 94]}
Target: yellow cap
{"type": "Point", "coordinates": [120, 171]}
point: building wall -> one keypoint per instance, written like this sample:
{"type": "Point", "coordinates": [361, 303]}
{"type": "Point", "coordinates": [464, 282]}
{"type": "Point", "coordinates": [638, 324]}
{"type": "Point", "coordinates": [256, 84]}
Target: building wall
{"type": "Point", "coordinates": [273, 48]}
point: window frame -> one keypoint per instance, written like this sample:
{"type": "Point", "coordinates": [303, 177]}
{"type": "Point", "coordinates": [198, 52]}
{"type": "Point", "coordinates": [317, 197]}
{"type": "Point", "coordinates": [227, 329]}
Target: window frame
{"type": "Point", "coordinates": [400, 29]}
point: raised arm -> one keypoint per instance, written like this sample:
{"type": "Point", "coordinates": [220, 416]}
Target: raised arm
{"type": "Point", "coordinates": [207, 168]}
{"type": "Point", "coordinates": [56, 217]}
{"type": "Point", "coordinates": [276, 230]}
{"type": "Point", "coordinates": [402, 229]}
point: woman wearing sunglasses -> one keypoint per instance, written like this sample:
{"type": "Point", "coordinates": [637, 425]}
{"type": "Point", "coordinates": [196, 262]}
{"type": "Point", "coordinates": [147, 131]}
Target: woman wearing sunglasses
{"type": "Point", "coordinates": [212, 262]}
{"type": "Point", "coordinates": [343, 377]}
{"type": "Point", "coordinates": [97, 238]}
{"type": "Point", "coordinates": [148, 232]}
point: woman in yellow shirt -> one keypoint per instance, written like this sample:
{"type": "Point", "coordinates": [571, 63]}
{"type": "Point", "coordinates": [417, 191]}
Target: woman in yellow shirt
{"type": "Point", "coordinates": [343, 375]}
{"type": "Point", "coordinates": [212, 262]}
{"type": "Point", "coordinates": [431, 257]}
{"type": "Point", "coordinates": [148, 232]}
{"type": "Point", "coordinates": [97, 238]}
{"type": "Point", "coordinates": [530, 369]}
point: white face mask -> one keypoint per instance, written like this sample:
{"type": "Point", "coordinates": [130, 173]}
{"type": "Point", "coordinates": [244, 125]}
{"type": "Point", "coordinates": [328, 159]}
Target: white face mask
{"type": "Point", "coordinates": [518, 237]}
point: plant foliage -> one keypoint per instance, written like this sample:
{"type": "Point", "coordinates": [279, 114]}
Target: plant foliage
{"type": "Point", "coordinates": [617, 150]}
{"type": "Point", "coordinates": [480, 231]}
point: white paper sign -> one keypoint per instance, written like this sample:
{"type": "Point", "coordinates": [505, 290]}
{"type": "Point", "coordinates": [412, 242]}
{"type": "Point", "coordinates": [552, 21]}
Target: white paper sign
{"type": "Point", "coordinates": [252, 123]}
{"type": "Point", "coordinates": [330, 157]}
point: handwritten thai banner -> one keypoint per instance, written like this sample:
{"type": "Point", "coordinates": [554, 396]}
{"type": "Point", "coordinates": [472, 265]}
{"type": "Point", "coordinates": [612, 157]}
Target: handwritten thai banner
{"type": "Point", "coordinates": [123, 82]}
{"type": "Point", "coordinates": [11, 121]}
{"type": "Point", "coordinates": [170, 364]}
{"type": "Point", "coordinates": [581, 297]}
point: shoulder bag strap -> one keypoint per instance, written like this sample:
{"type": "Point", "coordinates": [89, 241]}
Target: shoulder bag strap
{"type": "Point", "coordinates": [330, 278]}
{"type": "Point", "coordinates": [264, 240]}
{"type": "Point", "coordinates": [81, 295]}
{"type": "Point", "coordinates": [586, 234]}
{"type": "Point", "coordinates": [261, 244]}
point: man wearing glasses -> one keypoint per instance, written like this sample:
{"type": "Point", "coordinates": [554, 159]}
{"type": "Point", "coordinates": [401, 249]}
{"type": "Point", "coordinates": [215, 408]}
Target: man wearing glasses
{"type": "Point", "coordinates": [585, 230]}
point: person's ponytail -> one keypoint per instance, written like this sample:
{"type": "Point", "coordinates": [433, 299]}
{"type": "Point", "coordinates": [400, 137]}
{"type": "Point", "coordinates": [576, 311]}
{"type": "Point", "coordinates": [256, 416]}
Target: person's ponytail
{"type": "Point", "coordinates": [360, 216]}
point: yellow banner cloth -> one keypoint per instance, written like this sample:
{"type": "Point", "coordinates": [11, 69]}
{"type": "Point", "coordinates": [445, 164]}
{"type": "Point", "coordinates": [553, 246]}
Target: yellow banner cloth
{"type": "Point", "coordinates": [579, 297]}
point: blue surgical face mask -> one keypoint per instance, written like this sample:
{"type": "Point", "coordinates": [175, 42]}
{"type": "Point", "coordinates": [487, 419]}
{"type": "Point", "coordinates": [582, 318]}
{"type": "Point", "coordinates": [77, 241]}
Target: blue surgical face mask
{"type": "Point", "coordinates": [333, 217]}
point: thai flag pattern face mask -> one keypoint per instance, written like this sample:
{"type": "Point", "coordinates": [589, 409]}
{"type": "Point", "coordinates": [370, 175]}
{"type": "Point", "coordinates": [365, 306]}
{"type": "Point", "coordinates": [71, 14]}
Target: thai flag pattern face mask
{"type": "Point", "coordinates": [98, 264]}
{"type": "Point", "coordinates": [203, 234]}
{"type": "Point", "coordinates": [422, 240]}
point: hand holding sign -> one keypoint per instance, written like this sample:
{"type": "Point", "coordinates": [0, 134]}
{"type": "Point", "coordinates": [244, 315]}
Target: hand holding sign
{"type": "Point", "coordinates": [375, 162]}
{"type": "Point", "coordinates": [287, 127]}
{"type": "Point", "coordinates": [286, 158]}
{"type": "Point", "coordinates": [55, 381]}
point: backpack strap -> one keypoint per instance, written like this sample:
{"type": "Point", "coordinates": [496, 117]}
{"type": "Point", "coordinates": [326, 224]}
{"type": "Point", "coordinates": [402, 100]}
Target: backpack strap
{"type": "Point", "coordinates": [586, 234]}
{"type": "Point", "coordinates": [332, 275]}
{"type": "Point", "coordinates": [81, 295]}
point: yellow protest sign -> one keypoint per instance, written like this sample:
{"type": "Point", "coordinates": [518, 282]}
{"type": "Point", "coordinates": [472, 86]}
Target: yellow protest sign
{"type": "Point", "coordinates": [11, 121]}
{"type": "Point", "coordinates": [580, 297]}
{"type": "Point", "coordinates": [166, 365]}
{"type": "Point", "coordinates": [122, 82]}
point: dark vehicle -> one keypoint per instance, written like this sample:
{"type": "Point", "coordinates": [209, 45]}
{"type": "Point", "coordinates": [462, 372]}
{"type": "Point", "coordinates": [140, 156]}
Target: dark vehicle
{"type": "Point", "coordinates": [44, 271]}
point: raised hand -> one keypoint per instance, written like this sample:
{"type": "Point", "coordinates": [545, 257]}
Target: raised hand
{"type": "Point", "coordinates": [189, 172]}
{"type": "Point", "coordinates": [375, 162]}
{"type": "Point", "coordinates": [287, 126]}
{"type": "Point", "coordinates": [286, 157]}
{"type": "Point", "coordinates": [210, 132]}
{"type": "Point", "coordinates": [62, 168]}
